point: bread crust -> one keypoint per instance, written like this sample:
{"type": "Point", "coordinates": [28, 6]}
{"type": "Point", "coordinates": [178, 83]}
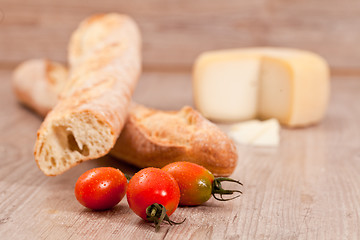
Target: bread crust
{"type": "Point", "coordinates": [94, 102]}
{"type": "Point", "coordinates": [37, 84]}
{"type": "Point", "coordinates": [153, 138]}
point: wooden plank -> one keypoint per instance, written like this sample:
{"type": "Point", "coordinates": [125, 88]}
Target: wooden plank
{"type": "Point", "coordinates": [175, 32]}
{"type": "Point", "coordinates": [308, 188]}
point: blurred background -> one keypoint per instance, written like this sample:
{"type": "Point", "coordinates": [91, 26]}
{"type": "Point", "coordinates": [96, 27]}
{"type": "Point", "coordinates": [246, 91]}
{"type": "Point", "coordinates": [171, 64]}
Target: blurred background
{"type": "Point", "coordinates": [176, 31]}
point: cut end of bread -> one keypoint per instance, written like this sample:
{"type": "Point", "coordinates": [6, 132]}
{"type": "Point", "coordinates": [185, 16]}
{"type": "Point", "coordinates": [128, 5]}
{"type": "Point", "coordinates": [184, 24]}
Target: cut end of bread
{"type": "Point", "coordinates": [71, 140]}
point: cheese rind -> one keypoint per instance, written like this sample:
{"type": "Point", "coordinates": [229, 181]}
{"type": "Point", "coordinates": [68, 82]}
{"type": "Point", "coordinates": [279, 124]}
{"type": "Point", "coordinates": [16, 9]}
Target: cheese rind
{"type": "Point", "coordinates": [287, 84]}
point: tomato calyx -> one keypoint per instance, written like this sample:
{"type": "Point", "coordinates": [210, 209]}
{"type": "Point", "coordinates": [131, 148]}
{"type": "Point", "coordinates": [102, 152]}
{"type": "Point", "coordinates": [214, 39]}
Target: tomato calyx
{"type": "Point", "coordinates": [156, 213]}
{"type": "Point", "coordinates": [128, 176]}
{"type": "Point", "coordinates": [217, 189]}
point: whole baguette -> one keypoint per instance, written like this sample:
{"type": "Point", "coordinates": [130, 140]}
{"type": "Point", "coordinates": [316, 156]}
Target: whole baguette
{"type": "Point", "coordinates": [104, 54]}
{"type": "Point", "coordinates": [155, 138]}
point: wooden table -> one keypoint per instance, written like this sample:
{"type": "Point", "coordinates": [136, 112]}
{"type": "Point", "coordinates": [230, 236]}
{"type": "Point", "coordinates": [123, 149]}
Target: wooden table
{"type": "Point", "coordinates": [307, 188]}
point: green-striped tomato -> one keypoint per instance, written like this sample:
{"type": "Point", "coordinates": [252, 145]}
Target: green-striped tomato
{"type": "Point", "coordinates": [197, 184]}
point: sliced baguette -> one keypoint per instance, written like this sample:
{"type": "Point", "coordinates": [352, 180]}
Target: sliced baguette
{"type": "Point", "coordinates": [105, 64]}
{"type": "Point", "coordinates": [155, 138]}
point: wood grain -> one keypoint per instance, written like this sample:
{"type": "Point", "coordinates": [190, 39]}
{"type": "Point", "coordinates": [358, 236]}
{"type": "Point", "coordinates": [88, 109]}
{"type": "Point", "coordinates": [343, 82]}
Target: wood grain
{"type": "Point", "coordinates": [176, 32]}
{"type": "Point", "coordinates": [308, 188]}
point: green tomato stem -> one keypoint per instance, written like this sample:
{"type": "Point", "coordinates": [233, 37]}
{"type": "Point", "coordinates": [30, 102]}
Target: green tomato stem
{"type": "Point", "coordinates": [156, 213]}
{"type": "Point", "coordinates": [217, 189]}
{"type": "Point", "coordinates": [128, 177]}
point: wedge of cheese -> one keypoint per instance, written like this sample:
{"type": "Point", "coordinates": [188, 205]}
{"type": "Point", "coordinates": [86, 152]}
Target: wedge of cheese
{"type": "Point", "coordinates": [287, 84]}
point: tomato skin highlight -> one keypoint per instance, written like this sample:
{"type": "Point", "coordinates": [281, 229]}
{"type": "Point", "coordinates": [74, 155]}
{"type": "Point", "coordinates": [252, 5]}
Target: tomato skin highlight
{"type": "Point", "coordinates": [101, 188]}
{"type": "Point", "coordinates": [195, 182]}
{"type": "Point", "coordinates": [149, 186]}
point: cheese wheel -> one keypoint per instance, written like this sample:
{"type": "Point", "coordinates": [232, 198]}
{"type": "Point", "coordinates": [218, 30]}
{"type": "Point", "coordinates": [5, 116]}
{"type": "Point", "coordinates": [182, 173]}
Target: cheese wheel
{"type": "Point", "coordinates": [287, 84]}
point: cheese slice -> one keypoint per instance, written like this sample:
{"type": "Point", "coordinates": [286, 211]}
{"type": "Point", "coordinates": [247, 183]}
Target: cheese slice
{"type": "Point", "coordinates": [287, 84]}
{"type": "Point", "coordinates": [257, 133]}
{"type": "Point", "coordinates": [270, 134]}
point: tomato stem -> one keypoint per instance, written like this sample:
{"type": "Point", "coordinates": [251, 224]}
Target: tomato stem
{"type": "Point", "coordinates": [128, 177]}
{"type": "Point", "coordinates": [217, 189]}
{"type": "Point", "coordinates": [156, 213]}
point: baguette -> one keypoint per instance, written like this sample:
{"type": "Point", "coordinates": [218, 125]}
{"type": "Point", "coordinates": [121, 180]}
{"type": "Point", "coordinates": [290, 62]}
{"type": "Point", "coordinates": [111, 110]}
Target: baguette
{"type": "Point", "coordinates": [104, 56]}
{"type": "Point", "coordinates": [155, 138]}
{"type": "Point", "coordinates": [38, 83]}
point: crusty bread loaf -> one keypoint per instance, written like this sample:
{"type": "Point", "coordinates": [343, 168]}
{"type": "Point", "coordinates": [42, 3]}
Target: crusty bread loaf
{"type": "Point", "coordinates": [155, 138]}
{"type": "Point", "coordinates": [77, 129]}
{"type": "Point", "coordinates": [104, 55]}
{"type": "Point", "coordinates": [38, 83]}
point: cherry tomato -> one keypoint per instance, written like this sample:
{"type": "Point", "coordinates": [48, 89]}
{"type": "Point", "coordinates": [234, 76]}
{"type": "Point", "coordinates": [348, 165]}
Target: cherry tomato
{"type": "Point", "coordinates": [101, 188]}
{"type": "Point", "coordinates": [151, 192]}
{"type": "Point", "coordinates": [197, 184]}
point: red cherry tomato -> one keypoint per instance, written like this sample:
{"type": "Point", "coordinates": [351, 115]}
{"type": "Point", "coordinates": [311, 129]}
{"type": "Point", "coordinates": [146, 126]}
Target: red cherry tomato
{"type": "Point", "coordinates": [197, 184]}
{"type": "Point", "coordinates": [101, 188]}
{"type": "Point", "coordinates": [150, 191]}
